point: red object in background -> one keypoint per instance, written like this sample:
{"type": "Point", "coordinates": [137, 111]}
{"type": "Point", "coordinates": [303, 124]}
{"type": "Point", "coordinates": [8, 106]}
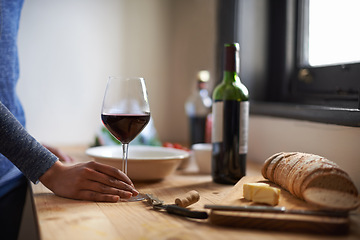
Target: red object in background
{"type": "Point", "coordinates": [175, 145]}
{"type": "Point", "coordinates": [168, 144]}
{"type": "Point", "coordinates": [208, 128]}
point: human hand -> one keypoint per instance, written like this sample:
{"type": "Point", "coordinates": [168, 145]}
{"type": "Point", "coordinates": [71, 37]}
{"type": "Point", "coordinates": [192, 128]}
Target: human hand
{"type": "Point", "coordinates": [88, 181]}
{"type": "Point", "coordinates": [61, 155]}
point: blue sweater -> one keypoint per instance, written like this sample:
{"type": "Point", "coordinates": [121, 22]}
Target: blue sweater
{"type": "Point", "coordinates": [17, 147]}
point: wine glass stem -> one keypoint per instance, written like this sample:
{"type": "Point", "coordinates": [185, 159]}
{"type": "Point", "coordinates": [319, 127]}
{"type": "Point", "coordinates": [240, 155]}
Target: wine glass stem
{"type": "Point", "coordinates": [125, 157]}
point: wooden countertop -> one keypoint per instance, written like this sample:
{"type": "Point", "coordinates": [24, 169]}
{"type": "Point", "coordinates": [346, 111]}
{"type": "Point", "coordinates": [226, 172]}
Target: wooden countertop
{"type": "Point", "coordinates": [61, 218]}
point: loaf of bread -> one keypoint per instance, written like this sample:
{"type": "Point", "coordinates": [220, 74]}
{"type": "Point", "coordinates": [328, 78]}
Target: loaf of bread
{"type": "Point", "coordinates": [303, 174]}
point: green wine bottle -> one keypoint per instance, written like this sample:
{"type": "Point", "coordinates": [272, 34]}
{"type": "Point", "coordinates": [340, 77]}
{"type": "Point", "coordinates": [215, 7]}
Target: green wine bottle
{"type": "Point", "coordinates": [230, 113]}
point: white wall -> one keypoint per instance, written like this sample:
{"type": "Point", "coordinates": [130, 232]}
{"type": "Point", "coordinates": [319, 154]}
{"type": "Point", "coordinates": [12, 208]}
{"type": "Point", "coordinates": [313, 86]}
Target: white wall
{"type": "Point", "coordinates": [69, 48]}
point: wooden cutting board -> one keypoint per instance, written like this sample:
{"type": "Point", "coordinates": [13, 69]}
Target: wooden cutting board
{"type": "Point", "coordinates": [275, 221]}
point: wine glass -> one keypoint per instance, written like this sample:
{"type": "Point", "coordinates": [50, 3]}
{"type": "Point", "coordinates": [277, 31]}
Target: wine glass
{"type": "Point", "coordinates": [125, 112]}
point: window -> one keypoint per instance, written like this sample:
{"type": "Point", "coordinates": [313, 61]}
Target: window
{"type": "Point", "coordinates": [329, 34]}
{"type": "Point", "coordinates": [327, 66]}
{"type": "Point", "coordinates": [299, 58]}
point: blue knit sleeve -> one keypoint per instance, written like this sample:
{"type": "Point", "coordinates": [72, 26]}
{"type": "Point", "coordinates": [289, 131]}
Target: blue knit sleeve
{"type": "Point", "coordinates": [27, 154]}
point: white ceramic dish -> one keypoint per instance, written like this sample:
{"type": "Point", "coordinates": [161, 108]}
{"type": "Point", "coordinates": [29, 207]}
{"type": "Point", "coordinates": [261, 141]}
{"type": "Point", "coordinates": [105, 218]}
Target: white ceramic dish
{"type": "Point", "coordinates": [202, 154]}
{"type": "Point", "coordinates": [145, 163]}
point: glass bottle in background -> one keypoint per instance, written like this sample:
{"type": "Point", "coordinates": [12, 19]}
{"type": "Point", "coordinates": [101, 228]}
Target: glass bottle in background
{"type": "Point", "coordinates": [230, 113]}
{"type": "Point", "coordinates": [197, 107]}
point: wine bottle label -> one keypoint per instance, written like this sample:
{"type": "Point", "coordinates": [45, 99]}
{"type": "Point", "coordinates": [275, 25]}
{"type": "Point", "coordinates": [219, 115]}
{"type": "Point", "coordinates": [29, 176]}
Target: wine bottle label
{"type": "Point", "coordinates": [217, 122]}
{"type": "Point", "coordinates": [244, 126]}
{"type": "Point", "coordinates": [231, 119]}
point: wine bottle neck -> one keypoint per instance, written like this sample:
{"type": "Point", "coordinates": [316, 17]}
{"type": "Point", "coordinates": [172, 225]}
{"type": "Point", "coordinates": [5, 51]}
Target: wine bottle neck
{"type": "Point", "coordinates": [230, 77]}
{"type": "Point", "coordinates": [231, 62]}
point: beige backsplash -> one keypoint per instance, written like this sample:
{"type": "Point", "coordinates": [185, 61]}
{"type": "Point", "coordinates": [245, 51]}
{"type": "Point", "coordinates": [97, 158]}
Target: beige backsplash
{"type": "Point", "coordinates": [268, 135]}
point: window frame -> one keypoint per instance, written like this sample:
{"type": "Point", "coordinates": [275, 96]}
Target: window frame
{"type": "Point", "coordinates": [332, 85]}
{"type": "Point", "coordinates": [284, 95]}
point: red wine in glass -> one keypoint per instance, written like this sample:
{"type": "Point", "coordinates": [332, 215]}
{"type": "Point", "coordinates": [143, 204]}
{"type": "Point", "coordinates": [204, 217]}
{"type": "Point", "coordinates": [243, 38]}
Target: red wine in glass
{"type": "Point", "coordinates": [125, 127]}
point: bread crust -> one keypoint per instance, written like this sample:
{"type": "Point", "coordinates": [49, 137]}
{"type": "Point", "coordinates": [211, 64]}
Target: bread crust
{"type": "Point", "coordinates": [295, 171]}
{"type": "Point", "coordinates": [266, 164]}
{"type": "Point", "coordinates": [272, 166]}
{"type": "Point", "coordinates": [282, 167]}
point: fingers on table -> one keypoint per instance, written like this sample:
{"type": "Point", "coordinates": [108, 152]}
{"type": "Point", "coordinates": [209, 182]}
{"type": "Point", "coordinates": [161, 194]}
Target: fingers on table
{"type": "Point", "coordinates": [122, 192]}
{"type": "Point", "coordinates": [103, 185]}
{"type": "Point", "coordinates": [110, 171]}
{"type": "Point", "coordinates": [97, 197]}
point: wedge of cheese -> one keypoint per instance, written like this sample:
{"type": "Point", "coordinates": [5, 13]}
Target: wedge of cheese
{"type": "Point", "coordinates": [261, 193]}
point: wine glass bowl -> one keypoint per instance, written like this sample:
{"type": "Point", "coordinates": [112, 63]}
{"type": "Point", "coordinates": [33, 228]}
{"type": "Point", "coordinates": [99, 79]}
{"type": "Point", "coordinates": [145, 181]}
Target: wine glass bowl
{"type": "Point", "coordinates": [125, 110]}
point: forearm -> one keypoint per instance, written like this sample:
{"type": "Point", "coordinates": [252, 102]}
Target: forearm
{"type": "Point", "coordinates": [21, 148]}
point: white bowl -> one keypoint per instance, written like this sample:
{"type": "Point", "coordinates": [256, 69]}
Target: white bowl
{"type": "Point", "coordinates": [202, 154]}
{"type": "Point", "coordinates": [145, 163]}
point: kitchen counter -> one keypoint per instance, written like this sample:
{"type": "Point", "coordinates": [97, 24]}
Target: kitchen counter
{"type": "Point", "coordinates": [61, 218]}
